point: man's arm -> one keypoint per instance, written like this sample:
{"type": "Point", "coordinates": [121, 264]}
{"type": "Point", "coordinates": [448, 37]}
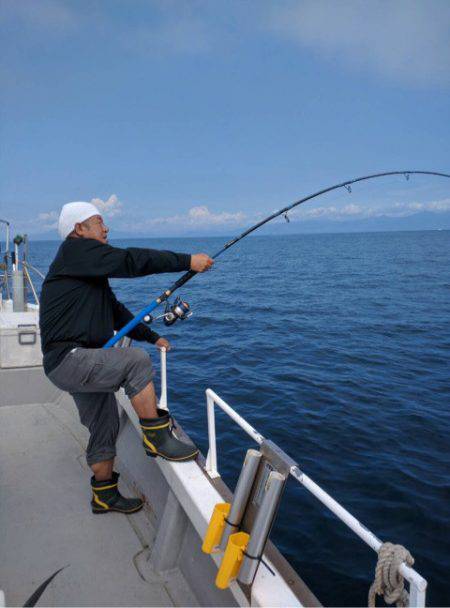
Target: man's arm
{"type": "Point", "coordinates": [122, 315]}
{"type": "Point", "coordinates": [90, 258]}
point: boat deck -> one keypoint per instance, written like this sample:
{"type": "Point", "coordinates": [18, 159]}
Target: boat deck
{"type": "Point", "coordinates": [150, 558]}
{"type": "Point", "coordinates": [46, 522]}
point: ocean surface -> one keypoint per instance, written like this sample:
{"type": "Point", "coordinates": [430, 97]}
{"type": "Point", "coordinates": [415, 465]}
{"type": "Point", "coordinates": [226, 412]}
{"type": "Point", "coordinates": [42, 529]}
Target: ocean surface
{"type": "Point", "coordinates": [337, 348]}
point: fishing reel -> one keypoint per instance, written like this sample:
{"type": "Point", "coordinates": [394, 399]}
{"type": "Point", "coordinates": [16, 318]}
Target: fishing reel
{"type": "Point", "coordinates": [178, 310]}
{"type": "Point", "coordinates": [172, 312]}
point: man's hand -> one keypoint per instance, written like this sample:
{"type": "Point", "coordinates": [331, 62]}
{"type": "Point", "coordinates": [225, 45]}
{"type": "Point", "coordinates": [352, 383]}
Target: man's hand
{"type": "Point", "coordinates": [201, 262]}
{"type": "Point", "coordinates": [163, 343]}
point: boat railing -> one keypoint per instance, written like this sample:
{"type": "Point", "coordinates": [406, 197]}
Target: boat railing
{"type": "Point", "coordinates": [417, 584]}
{"type": "Point", "coordinates": [162, 403]}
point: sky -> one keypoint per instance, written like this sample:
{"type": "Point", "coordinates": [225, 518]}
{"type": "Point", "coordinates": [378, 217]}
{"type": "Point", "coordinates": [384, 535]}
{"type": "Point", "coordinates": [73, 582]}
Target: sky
{"type": "Point", "coordinates": [182, 117]}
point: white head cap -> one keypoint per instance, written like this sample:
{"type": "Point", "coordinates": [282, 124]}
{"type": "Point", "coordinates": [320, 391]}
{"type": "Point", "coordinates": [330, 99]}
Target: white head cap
{"type": "Point", "coordinates": [74, 213]}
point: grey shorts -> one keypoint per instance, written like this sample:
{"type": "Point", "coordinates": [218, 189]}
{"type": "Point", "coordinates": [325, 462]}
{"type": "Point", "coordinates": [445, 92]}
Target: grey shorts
{"type": "Point", "coordinates": [92, 376]}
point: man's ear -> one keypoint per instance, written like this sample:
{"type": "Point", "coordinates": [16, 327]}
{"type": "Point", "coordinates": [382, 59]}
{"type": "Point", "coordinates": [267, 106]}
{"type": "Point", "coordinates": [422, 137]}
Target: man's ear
{"type": "Point", "coordinates": [78, 229]}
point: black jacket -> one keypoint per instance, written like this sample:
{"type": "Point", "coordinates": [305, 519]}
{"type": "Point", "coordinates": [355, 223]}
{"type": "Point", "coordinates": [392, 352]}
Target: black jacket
{"type": "Point", "coordinates": [77, 305]}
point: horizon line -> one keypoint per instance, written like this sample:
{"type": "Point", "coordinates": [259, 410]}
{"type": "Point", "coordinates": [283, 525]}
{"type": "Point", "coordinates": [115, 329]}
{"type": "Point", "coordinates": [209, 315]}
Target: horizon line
{"type": "Point", "coordinates": [224, 236]}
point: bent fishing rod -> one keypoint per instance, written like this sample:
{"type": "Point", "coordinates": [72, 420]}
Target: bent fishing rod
{"type": "Point", "coordinates": [180, 309]}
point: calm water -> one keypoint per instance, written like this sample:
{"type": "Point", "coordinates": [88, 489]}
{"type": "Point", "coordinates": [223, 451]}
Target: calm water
{"type": "Point", "coordinates": [336, 347]}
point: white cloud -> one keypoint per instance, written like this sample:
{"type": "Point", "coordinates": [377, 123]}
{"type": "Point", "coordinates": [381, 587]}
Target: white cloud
{"type": "Point", "coordinates": [197, 217]}
{"type": "Point", "coordinates": [109, 208]}
{"type": "Point", "coordinates": [202, 215]}
{"type": "Point", "coordinates": [48, 216]}
{"type": "Point", "coordinates": [443, 205]}
{"type": "Point", "coordinates": [332, 212]}
{"type": "Point", "coordinates": [47, 220]}
{"type": "Point", "coordinates": [406, 40]}
{"type": "Point", "coordinates": [353, 211]}
{"type": "Point", "coordinates": [405, 209]}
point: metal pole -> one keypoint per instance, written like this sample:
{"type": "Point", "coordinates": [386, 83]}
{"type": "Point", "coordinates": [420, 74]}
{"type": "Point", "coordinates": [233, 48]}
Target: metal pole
{"type": "Point", "coordinates": [18, 291]}
{"type": "Point", "coordinates": [351, 521]}
{"type": "Point", "coordinates": [211, 458]}
{"type": "Point", "coordinates": [6, 256]}
{"type": "Point", "coordinates": [25, 247]}
{"type": "Point", "coordinates": [24, 261]}
{"type": "Point", "coordinates": [417, 597]}
{"type": "Point", "coordinates": [241, 495]}
{"type": "Point", "coordinates": [7, 235]}
{"type": "Point", "coordinates": [27, 275]}
{"type": "Point", "coordinates": [364, 533]}
{"type": "Point", "coordinates": [163, 397]}
{"type": "Point", "coordinates": [16, 255]}
{"type": "Point", "coordinates": [37, 271]}
{"type": "Point", "coordinates": [18, 281]}
{"type": "Point", "coordinates": [235, 416]}
{"type": "Point", "coordinates": [261, 527]}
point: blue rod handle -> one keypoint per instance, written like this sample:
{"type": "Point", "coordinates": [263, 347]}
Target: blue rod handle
{"type": "Point", "coordinates": [131, 324]}
{"type": "Point", "coordinates": [148, 309]}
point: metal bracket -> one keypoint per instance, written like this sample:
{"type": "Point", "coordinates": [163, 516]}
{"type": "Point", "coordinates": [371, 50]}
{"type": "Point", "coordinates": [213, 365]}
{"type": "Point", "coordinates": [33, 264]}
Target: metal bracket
{"type": "Point", "coordinates": [279, 460]}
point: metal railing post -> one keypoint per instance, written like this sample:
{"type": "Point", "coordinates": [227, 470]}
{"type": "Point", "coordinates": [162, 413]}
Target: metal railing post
{"type": "Point", "coordinates": [417, 596]}
{"type": "Point", "coordinates": [163, 397]}
{"type": "Point", "coordinates": [248, 428]}
{"type": "Point", "coordinates": [211, 458]}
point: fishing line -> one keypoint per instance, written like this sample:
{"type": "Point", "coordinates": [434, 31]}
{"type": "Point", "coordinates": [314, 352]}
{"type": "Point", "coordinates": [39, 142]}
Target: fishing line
{"type": "Point", "coordinates": [181, 312]}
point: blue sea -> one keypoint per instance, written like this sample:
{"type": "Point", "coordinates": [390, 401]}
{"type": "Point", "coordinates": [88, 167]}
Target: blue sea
{"type": "Point", "coordinates": [336, 347]}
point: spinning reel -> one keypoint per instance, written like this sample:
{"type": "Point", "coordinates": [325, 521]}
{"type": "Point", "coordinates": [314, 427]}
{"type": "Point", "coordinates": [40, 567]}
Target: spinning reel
{"type": "Point", "coordinates": [179, 310]}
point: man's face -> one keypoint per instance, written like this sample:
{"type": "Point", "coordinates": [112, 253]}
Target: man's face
{"type": "Point", "coordinates": [93, 228]}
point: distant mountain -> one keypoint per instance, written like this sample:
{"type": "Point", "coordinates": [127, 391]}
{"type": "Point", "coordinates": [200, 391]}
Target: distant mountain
{"type": "Point", "coordinates": [424, 220]}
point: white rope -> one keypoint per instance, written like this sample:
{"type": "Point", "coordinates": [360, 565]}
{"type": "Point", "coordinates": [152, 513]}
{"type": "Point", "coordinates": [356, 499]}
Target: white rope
{"type": "Point", "coordinates": [388, 581]}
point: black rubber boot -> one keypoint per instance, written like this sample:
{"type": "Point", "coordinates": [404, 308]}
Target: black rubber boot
{"type": "Point", "coordinates": [158, 439]}
{"type": "Point", "coordinates": [106, 497]}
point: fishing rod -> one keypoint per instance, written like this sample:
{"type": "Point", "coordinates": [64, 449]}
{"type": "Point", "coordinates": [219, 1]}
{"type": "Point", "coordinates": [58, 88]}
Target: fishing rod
{"type": "Point", "coordinates": [180, 310]}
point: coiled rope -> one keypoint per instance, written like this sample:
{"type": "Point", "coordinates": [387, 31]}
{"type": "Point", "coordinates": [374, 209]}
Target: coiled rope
{"type": "Point", "coordinates": [388, 581]}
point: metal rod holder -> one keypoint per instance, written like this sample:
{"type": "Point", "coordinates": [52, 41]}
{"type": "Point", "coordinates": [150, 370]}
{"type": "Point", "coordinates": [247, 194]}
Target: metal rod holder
{"type": "Point", "coordinates": [241, 495]}
{"type": "Point", "coordinates": [261, 528]}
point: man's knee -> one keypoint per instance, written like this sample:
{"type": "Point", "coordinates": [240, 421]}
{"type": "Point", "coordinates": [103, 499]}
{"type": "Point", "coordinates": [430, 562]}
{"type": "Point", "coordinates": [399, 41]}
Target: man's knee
{"type": "Point", "coordinates": [140, 372]}
{"type": "Point", "coordinates": [139, 359]}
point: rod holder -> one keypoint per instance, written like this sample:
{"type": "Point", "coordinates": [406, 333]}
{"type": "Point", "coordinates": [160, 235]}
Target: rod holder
{"type": "Point", "coordinates": [261, 527]}
{"type": "Point", "coordinates": [232, 560]}
{"type": "Point", "coordinates": [216, 527]}
{"type": "Point", "coordinates": [241, 495]}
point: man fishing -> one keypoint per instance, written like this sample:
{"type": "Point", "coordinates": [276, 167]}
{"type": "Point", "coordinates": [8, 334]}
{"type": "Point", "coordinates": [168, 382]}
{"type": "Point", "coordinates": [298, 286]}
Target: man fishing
{"type": "Point", "coordinates": [78, 314]}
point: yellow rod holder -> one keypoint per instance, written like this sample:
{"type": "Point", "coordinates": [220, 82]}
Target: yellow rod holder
{"type": "Point", "coordinates": [232, 559]}
{"type": "Point", "coordinates": [216, 527]}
